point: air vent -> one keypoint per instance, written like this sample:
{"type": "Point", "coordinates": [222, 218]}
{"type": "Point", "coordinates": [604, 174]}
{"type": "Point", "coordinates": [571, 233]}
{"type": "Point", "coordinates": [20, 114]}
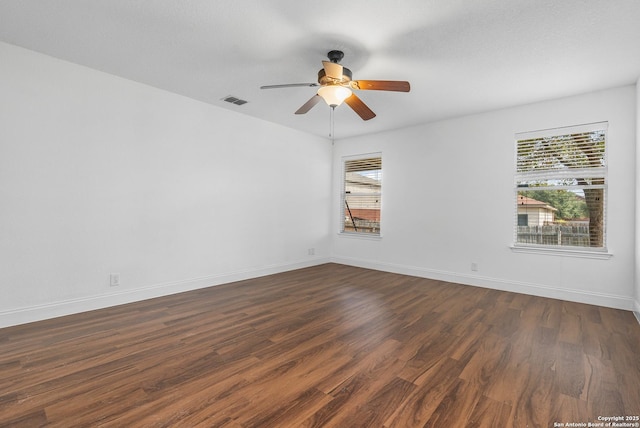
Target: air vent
{"type": "Point", "coordinates": [234, 100]}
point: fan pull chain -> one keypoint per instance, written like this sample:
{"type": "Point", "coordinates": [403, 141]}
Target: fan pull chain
{"type": "Point", "coordinates": [331, 121]}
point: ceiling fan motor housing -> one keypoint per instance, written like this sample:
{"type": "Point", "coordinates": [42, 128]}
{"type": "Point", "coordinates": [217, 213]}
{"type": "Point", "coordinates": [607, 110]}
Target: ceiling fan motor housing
{"type": "Point", "coordinates": [335, 57]}
{"type": "Point", "coordinates": [324, 80]}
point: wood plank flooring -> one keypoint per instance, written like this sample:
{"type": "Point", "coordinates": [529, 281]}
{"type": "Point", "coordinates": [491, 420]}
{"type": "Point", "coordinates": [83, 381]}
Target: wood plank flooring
{"type": "Point", "coordinates": [327, 346]}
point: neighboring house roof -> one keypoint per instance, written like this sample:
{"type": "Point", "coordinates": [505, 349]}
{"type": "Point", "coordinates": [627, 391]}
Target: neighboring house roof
{"type": "Point", "coordinates": [530, 202]}
{"type": "Point", "coordinates": [356, 179]}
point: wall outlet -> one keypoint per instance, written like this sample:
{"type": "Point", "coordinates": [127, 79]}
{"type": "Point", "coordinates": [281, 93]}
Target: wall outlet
{"type": "Point", "coordinates": [114, 279]}
{"type": "Point", "coordinates": [311, 251]}
{"type": "Point", "coordinates": [474, 266]}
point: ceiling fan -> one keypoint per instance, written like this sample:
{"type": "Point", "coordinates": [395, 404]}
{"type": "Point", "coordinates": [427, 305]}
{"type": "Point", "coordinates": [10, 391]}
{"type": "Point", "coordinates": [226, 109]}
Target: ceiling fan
{"type": "Point", "coordinates": [336, 87]}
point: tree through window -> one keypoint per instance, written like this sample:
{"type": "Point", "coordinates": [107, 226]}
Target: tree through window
{"type": "Point", "coordinates": [561, 187]}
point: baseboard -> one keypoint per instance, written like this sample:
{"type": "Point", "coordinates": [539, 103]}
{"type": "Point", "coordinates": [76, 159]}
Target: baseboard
{"type": "Point", "coordinates": [73, 306]}
{"type": "Point", "coordinates": [579, 296]}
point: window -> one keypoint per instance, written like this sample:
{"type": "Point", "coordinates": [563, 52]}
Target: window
{"type": "Point", "coordinates": [561, 184]}
{"type": "Point", "coordinates": [523, 220]}
{"type": "Point", "coordinates": [361, 195]}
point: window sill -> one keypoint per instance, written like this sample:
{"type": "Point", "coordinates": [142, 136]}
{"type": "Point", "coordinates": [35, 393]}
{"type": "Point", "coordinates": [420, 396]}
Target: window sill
{"type": "Point", "coordinates": [565, 252]}
{"type": "Point", "coordinates": [356, 235]}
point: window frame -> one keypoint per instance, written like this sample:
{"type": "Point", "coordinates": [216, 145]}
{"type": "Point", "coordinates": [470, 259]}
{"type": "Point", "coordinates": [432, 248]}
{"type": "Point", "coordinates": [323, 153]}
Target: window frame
{"type": "Point", "coordinates": [343, 196]}
{"type": "Point", "coordinates": [555, 174]}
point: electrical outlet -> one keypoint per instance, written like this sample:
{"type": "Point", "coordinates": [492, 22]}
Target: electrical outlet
{"type": "Point", "coordinates": [114, 279]}
{"type": "Point", "coordinates": [311, 251]}
{"type": "Point", "coordinates": [474, 266]}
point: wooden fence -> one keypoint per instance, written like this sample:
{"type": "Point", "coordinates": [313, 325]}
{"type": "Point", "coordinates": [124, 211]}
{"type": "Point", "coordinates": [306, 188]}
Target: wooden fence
{"type": "Point", "coordinates": [364, 226]}
{"type": "Point", "coordinates": [575, 236]}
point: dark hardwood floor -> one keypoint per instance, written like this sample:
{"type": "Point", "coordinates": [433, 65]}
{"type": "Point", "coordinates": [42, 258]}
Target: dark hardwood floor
{"type": "Point", "coordinates": [325, 346]}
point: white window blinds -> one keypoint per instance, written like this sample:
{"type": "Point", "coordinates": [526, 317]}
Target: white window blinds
{"type": "Point", "coordinates": [561, 177]}
{"type": "Point", "coordinates": [577, 151]}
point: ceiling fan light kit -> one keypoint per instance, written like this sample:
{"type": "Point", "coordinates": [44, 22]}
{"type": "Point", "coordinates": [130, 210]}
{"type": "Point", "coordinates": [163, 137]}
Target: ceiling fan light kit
{"type": "Point", "coordinates": [334, 95]}
{"type": "Point", "coordinates": [336, 87]}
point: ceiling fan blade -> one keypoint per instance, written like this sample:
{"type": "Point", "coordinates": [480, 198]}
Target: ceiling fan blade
{"type": "Point", "coordinates": [381, 85]}
{"type": "Point", "coordinates": [360, 107]}
{"type": "Point", "coordinates": [309, 104]}
{"type": "Point", "coordinates": [288, 85]}
{"type": "Point", "coordinates": [332, 70]}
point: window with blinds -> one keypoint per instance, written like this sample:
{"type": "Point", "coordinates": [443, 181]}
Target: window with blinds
{"type": "Point", "coordinates": [361, 195]}
{"type": "Point", "coordinates": [561, 183]}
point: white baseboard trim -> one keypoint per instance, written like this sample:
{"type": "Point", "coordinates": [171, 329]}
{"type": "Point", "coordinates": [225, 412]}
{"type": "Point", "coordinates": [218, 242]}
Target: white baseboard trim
{"type": "Point", "coordinates": [45, 311]}
{"type": "Point", "coordinates": [636, 309]}
{"type": "Point", "coordinates": [573, 295]}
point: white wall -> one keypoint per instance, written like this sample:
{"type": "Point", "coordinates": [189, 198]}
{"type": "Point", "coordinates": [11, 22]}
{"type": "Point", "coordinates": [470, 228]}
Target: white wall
{"type": "Point", "coordinates": [436, 174]}
{"type": "Point", "coordinates": [99, 174]}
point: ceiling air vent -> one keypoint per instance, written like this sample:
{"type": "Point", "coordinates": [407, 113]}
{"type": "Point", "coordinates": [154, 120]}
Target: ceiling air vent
{"type": "Point", "coordinates": [234, 100]}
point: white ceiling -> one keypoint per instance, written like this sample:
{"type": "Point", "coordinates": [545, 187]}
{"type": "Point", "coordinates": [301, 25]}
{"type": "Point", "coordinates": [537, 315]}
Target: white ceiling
{"type": "Point", "coordinates": [461, 56]}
